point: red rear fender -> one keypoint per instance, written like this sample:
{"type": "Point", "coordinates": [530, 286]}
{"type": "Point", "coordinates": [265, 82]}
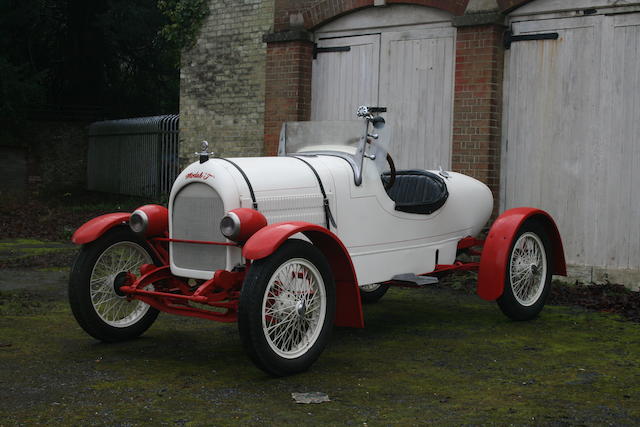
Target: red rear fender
{"type": "Point", "coordinates": [92, 229]}
{"type": "Point", "coordinates": [495, 254]}
{"type": "Point", "coordinates": [268, 239]}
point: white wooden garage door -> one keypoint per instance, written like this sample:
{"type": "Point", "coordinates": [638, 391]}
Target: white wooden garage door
{"type": "Point", "coordinates": [410, 72]}
{"type": "Point", "coordinates": [571, 136]}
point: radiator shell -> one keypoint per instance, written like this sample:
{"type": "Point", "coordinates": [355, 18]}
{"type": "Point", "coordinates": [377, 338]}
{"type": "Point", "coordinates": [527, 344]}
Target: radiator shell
{"type": "Point", "coordinates": [285, 188]}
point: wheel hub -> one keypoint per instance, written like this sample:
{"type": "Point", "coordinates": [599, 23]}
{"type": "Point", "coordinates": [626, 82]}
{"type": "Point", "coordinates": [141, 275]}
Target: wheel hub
{"type": "Point", "coordinates": [301, 308]}
{"type": "Point", "coordinates": [121, 279]}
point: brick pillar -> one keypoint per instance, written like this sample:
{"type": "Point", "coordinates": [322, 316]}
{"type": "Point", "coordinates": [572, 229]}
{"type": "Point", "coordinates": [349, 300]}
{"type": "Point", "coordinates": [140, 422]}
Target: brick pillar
{"type": "Point", "coordinates": [478, 105]}
{"type": "Point", "coordinates": [288, 89]}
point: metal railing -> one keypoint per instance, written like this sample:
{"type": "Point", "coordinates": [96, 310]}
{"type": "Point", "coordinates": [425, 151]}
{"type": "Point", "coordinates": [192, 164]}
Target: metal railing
{"type": "Point", "coordinates": [138, 157]}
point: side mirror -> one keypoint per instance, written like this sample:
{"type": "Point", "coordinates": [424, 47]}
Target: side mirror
{"type": "Point", "coordinates": [378, 122]}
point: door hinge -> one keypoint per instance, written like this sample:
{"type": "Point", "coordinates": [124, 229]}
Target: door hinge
{"type": "Point", "coordinates": [317, 50]}
{"type": "Point", "coordinates": [510, 38]}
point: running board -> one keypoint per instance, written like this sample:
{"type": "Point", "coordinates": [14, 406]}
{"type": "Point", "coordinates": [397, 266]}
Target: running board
{"type": "Point", "coordinates": [412, 279]}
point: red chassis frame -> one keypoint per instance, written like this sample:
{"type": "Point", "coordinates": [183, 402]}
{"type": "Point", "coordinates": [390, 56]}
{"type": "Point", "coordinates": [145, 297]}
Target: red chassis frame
{"type": "Point", "coordinates": [218, 298]}
{"type": "Point", "coordinates": [220, 294]}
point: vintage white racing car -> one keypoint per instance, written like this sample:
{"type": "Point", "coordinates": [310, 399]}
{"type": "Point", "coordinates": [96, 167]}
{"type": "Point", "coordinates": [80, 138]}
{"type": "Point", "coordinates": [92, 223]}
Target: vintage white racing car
{"type": "Point", "coordinates": [290, 246]}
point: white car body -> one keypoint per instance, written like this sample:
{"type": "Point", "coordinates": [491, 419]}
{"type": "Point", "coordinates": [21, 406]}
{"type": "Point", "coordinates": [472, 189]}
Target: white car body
{"type": "Point", "coordinates": [381, 241]}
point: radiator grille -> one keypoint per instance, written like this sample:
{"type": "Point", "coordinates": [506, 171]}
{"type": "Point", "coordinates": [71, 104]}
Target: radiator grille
{"type": "Point", "coordinates": [197, 211]}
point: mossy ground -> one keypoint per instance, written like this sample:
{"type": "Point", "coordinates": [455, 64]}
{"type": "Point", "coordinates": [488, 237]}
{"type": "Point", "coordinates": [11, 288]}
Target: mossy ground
{"type": "Point", "coordinates": [17, 248]}
{"type": "Point", "coordinates": [425, 356]}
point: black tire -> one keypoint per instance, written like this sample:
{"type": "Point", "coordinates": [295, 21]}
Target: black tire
{"type": "Point", "coordinates": [264, 349]}
{"type": "Point", "coordinates": [84, 306]}
{"type": "Point", "coordinates": [374, 295]}
{"type": "Point", "coordinates": [516, 301]}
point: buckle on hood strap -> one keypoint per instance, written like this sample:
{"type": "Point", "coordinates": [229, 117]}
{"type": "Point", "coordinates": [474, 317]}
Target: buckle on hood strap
{"type": "Point", "coordinates": [246, 179]}
{"type": "Point", "coordinates": [325, 201]}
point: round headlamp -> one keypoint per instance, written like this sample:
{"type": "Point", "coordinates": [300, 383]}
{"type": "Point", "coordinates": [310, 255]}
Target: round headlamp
{"type": "Point", "coordinates": [138, 221]}
{"type": "Point", "coordinates": [242, 223]}
{"type": "Point", "coordinates": [230, 226]}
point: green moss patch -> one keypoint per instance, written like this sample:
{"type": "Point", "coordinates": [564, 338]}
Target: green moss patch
{"type": "Point", "coordinates": [20, 248]}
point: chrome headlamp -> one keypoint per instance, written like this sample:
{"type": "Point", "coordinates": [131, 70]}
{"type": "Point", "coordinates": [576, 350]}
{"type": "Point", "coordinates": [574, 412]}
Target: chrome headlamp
{"type": "Point", "coordinates": [138, 221]}
{"type": "Point", "coordinates": [230, 226]}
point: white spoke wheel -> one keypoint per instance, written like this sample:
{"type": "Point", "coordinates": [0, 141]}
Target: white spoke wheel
{"type": "Point", "coordinates": [99, 270]}
{"type": "Point", "coordinates": [372, 292]}
{"type": "Point", "coordinates": [287, 306]}
{"type": "Point", "coordinates": [108, 274]}
{"type": "Point", "coordinates": [528, 273]}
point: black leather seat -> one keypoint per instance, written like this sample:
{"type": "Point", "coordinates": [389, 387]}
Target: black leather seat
{"type": "Point", "coordinates": [417, 191]}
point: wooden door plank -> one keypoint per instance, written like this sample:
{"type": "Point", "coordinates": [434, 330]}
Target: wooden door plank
{"type": "Point", "coordinates": [416, 84]}
{"type": "Point", "coordinates": [342, 81]}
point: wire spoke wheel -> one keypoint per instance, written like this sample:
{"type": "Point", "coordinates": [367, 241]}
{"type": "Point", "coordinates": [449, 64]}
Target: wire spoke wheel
{"type": "Point", "coordinates": [286, 310]}
{"type": "Point", "coordinates": [294, 307]}
{"type": "Point", "coordinates": [528, 269]}
{"type": "Point", "coordinates": [114, 309]}
{"type": "Point", "coordinates": [528, 273]}
{"type": "Point", "coordinates": [100, 269]}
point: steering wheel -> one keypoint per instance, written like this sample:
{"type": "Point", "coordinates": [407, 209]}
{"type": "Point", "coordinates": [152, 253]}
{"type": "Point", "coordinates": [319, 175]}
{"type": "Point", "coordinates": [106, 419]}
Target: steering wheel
{"type": "Point", "coordinates": [392, 173]}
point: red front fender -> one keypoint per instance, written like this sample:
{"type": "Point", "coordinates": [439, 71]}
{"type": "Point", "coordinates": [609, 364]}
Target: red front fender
{"type": "Point", "coordinates": [495, 254]}
{"type": "Point", "coordinates": [92, 229]}
{"type": "Point", "coordinates": [268, 239]}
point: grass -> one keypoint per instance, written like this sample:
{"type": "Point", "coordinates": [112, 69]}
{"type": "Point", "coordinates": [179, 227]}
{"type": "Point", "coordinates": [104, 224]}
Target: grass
{"type": "Point", "coordinates": [425, 356]}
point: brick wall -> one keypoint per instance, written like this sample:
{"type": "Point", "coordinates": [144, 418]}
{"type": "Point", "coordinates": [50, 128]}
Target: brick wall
{"type": "Point", "coordinates": [222, 82]}
{"type": "Point", "coordinates": [478, 104]}
{"type": "Point", "coordinates": [288, 88]}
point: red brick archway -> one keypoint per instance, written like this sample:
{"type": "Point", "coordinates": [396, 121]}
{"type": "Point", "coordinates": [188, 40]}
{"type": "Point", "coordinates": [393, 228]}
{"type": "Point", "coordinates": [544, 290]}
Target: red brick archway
{"type": "Point", "coordinates": [508, 5]}
{"type": "Point", "coordinates": [317, 13]}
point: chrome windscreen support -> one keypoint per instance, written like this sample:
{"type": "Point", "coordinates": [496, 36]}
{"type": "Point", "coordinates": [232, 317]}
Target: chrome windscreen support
{"type": "Point", "coordinates": [282, 144]}
{"type": "Point", "coordinates": [378, 123]}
